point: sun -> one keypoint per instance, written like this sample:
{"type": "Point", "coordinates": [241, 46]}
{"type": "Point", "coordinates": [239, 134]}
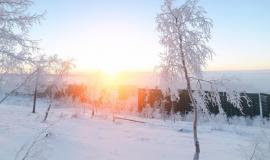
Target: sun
{"type": "Point", "coordinates": [111, 70]}
{"type": "Point", "coordinates": [114, 49]}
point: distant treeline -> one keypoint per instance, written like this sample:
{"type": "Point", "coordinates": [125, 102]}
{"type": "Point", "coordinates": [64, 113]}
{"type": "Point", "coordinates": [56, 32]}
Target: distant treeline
{"type": "Point", "coordinates": [155, 98]}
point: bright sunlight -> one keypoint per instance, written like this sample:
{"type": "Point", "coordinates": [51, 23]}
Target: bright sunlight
{"type": "Point", "coordinates": [134, 80]}
{"type": "Point", "coordinates": [116, 48]}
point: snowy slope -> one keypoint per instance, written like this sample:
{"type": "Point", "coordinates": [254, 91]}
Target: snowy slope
{"type": "Point", "coordinates": [71, 134]}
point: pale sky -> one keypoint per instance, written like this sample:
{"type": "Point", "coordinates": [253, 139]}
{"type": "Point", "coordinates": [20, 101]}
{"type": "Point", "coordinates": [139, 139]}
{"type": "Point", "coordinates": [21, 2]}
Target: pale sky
{"type": "Point", "coordinates": [121, 34]}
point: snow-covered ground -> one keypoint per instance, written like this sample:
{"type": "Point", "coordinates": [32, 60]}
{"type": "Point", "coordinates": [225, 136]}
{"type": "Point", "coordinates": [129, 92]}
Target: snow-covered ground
{"type": "Point", "coordinates": [71, 134]}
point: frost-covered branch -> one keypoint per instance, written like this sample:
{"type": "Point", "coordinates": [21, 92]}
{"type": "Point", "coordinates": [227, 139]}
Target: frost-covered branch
{"type": "Point", "coordinates": [18, 86]}
{"type": "Point", "coordinates": [16, 48]}
{"type": "Point", "coordinates": [210, 91]}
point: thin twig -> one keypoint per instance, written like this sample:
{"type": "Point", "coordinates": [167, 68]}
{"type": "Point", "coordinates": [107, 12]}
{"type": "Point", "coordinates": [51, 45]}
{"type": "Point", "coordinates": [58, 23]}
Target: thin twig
{"type": "Point", "coordinates": [19, 86]}
{"type": "Point", "coordinates": [254, 150]}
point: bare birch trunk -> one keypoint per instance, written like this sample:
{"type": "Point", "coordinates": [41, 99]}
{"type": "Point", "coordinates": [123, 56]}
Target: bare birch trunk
{"type": "Point", "coordinates": [35, 93]}
{"type": "Point", "coordinates": [35, 99]}
{"type": "Point", "coordinates": [47, 112]}
{"type": "Point", "coordinates": [194, 105]}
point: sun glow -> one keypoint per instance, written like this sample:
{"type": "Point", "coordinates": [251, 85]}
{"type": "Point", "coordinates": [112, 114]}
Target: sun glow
{"type": "Point", "coordinates": [115, 47]}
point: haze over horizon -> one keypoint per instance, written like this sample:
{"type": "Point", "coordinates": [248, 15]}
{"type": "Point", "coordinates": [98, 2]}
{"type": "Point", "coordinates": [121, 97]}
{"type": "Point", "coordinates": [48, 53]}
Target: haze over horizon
{"type": "Point", "coordinates": [121, 35]}
{"type": "Point", "coordinates": [134, 79]}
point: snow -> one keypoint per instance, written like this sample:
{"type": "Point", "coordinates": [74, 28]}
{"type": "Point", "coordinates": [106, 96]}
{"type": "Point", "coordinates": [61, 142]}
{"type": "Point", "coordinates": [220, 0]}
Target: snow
{"type": "Point", "coordinates": [74, 135]}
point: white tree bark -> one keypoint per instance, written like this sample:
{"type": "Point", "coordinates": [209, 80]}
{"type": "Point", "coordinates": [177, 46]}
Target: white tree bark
{"type": "Point", "coordinates": [185, 32]}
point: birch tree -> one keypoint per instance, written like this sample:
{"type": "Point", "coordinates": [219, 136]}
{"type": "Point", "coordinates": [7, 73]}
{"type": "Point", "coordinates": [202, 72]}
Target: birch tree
{"type": "Point", "coordinates": [185, 33]}
{"type": "Point", "coordinates": [50, 74]}
{"type": "Point", "coordinates": [60, 68]}
{"type": "Point", "coordinates": [16, 48]}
